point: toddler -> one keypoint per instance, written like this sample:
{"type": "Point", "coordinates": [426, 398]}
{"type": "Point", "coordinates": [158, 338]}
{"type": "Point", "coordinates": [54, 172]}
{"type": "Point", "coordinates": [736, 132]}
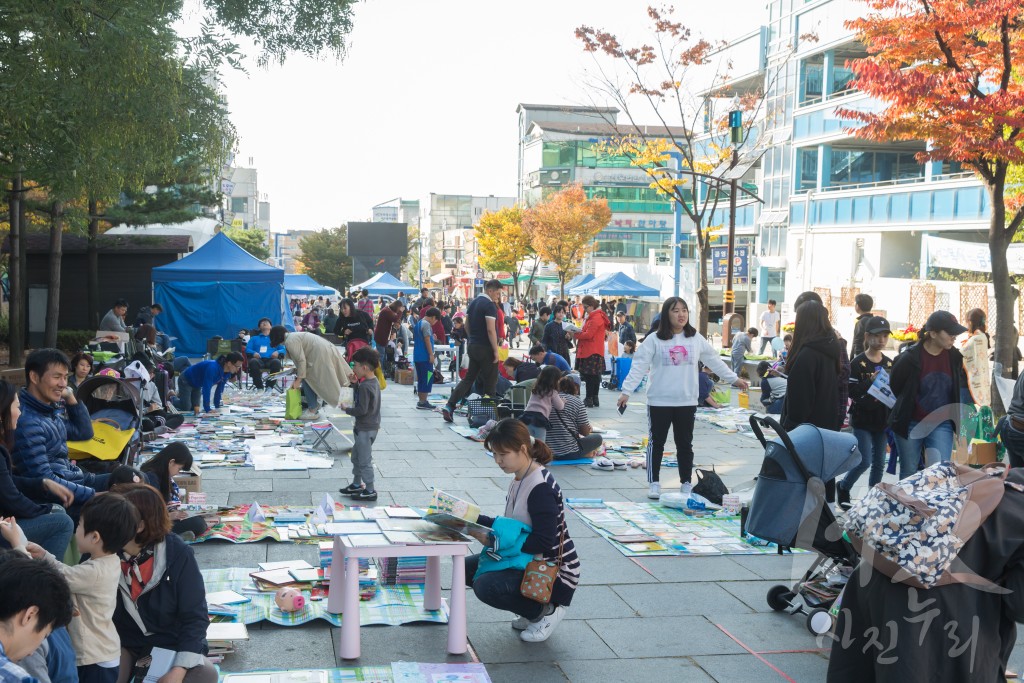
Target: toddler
{"type": "Point", "coordinates": [543, 399]}
{"type": "Point", "coordinates": [366, 410]}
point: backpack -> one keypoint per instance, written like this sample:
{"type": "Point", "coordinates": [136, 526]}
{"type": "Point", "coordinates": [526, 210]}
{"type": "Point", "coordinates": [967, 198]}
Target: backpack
{"type": "Point", "coordinates": [912, 530]}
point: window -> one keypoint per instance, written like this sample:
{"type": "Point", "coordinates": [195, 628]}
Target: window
{"type": "Point", "coordinates": [558, 154]}
{"type": "Point", "coordinates": [239, 204]}
{"type": "Point", "coordinates": [807, 165]}
{"type": "Point", "coordinates": [812, 75]}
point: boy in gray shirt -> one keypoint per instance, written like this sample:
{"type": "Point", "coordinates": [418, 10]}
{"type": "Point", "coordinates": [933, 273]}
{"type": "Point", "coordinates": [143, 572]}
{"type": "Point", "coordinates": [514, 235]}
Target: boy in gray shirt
{"type": "Point", "coordinates": [741, 343]}
{"type": "Point", "coordinates": [366, 411]}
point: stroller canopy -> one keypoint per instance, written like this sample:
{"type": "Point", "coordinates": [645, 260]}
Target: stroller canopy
{"type": "Point", "coordinates": [823, 452]}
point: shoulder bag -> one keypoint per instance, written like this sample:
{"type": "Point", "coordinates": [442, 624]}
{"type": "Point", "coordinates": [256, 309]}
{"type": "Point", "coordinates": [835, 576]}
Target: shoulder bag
{"type": "Point", "coordinates": [539, 576]}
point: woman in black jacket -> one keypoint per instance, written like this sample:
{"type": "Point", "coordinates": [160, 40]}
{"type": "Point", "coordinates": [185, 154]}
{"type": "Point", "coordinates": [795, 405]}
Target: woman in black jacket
{"type": "Point", "coordinates": [161, 597]}
{"type": "Point", "coordinates": [926, 380]}
{"type": "Point", "coordinates": [353, 323]}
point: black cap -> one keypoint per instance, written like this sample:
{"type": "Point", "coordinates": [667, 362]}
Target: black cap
{"type": "Point", "coordinates": [944, 321]}
{"type": "Point", "coordinates": [877, 325]}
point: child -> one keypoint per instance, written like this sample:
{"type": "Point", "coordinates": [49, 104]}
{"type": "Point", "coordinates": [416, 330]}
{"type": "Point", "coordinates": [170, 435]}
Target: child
{"type": "Point", "coordinates": [366, 410]}
{"type": "Point", "coordinates": [36, 600]}
{"type": "Point", "coordinates": [706, 386]}
{"type": "Point", "coordinates": [741, 344]}
{"type": "Point", "coordinates": [628, 349]}
{"type": "Point", "coordinates": [105, 525]}
{"type": "Point", "coordinates": [159, 472]}
{"type": "Point", "coordinates": [773, 388]}
{"type": "Point", "coordinates": [787, 343]}
{"type": "Point", "coordinates": [543, 398]}
{"type": "Point", "coordinates": [423, 356]}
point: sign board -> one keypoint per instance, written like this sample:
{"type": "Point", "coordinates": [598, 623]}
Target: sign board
{"type": "Point", "coordinates": [385, 214]}
{"type": "Point", "coordinates": [478, 282]}
{"type": "Point", "coordinates": [740, 264]}
{"type": "Point", "coordinates": [237, 222]}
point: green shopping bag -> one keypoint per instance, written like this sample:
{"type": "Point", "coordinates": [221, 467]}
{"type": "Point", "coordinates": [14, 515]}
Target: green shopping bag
{"type": "Point", "coordinates": [293, 404]}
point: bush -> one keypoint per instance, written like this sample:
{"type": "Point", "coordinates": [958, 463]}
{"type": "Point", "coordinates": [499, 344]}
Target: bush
{"type": "Point", "coordinates": [72, 341]}
{"type": "Point", "coordinates": [5, 329]}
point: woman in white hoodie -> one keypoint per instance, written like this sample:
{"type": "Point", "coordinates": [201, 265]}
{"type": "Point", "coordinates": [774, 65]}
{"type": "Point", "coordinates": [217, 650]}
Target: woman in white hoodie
{"type": "Point", "coordinates": [670, 355]}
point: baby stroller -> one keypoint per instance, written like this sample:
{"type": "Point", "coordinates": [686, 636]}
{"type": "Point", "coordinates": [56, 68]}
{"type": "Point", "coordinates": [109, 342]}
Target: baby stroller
{"type": "Point", "coordinates": [116, 403]}
{"type": "Point", "coordinates": [788, 508]}
{"type": "Point", "coordinates": [388, 358]}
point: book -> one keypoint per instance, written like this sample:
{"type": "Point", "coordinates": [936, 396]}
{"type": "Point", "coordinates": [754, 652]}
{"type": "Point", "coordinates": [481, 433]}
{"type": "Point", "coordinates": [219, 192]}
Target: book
{"type": "Point", "coordinates": [402, 512]}
{"type": "Point", "coordinates": [161, 661]}
{"type": "Point", "coordinates": [305, 575]}
{"type": "Point", "coordinates": [453, 505]}
{"type": "Point", "coordinates": [285, 564]}
{"type": "Point", "coordinates": [460, 525]}
{"type": "Point", "coordinates": [276, 577]}
{"type": "Point", "coordinates": [226, 630]}
{"type": "Point", "coordinates": [226, 598]}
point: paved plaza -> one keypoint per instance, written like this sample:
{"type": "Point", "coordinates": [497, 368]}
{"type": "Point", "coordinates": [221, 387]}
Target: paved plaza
{"type": "Point", "coordinates": [650, 619]}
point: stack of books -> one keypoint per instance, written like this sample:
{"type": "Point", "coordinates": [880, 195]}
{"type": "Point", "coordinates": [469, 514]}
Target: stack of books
{"type": "Point", "coordinates": [401, 571]}
{"type": "Point", "coordinates": [221, 638]}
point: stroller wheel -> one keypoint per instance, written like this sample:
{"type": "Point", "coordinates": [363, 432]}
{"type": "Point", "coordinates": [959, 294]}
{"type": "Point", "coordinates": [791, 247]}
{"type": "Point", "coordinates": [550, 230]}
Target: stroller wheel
{"type": "Point", "coordinates": [780, 598]}
{"type": "Point", "coordinates": [819, 621]}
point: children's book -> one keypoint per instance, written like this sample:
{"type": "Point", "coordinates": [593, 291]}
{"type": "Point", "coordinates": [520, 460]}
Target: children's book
{"type": "Point", "coordinates": [446, 502]}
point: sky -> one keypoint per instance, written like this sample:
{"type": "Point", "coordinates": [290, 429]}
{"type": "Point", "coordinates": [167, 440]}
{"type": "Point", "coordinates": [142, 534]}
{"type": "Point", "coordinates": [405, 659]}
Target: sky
{"type": "Point", "coordinates": [425, 99]}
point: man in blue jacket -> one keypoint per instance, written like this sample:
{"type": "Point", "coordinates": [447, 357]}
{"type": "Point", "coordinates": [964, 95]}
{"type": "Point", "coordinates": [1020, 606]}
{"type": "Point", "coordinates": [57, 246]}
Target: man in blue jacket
{"type": "Point", "coordinates": [263, 356]}
{"type": "Point", "coordinates": [50, 416]}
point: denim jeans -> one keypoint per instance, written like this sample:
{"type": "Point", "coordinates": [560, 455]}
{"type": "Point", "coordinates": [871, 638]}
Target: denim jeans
{"type": "Point", "coordinates": [938, 447]}
{"type": "Point", "coordinates": [500, 589]}
{"type": "Point", "coordinates": [309, 398]}
{"type": "Point", "coordinates": [188, 396]}
{"type": "Point", "coordinates": [53, 531]}
{"type": "Point", "coordinates": [872, 455]}
{"type": "Point", "coordinates": [1013, 440]}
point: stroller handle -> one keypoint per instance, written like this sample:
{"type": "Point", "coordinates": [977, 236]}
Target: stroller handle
{"type": "Point", "coordinates": [756, 423]}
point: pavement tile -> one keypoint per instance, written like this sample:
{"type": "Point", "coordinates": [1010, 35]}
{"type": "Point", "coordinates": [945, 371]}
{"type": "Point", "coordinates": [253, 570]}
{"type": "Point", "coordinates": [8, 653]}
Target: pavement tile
{"type": "Point", "coordinates": [651, 670]}
{"type": "Point", "coordinates": [250, 473]}
{"type": "Point", "coordinates": [768, 632]}
{"type": "Point", "coordinates": [664, 636]}
{"type": "Point", "coordinates": [526, 672]}
{"type": "Point", "coordinates": [679, 599]}
{"type": "Point", "coordinates": [681, 569]}
{"type": "Point", "coordinates": [599, 602]}
{"type": "Point", "coordinates": [798, 667]}
{"type": "Point", "coordinates": [381, 645]}
{"type": "Point", "coordinates": [573, 639]}
{"type": "Point", "coordinates": [784, 568]}
{"type": "Point", "coordinates": [232, 485]}
{"type": "Point", "coordinates": [334, 480]}
{"type": "Point", "coordinates": [219, 554]}
{"type": "Point", "coordinates": [754, 594]}
{"type": "Point", "coordinates": [281, 647]}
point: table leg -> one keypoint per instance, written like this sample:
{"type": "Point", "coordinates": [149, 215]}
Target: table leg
{"type": "Point", "coordinates": [457, 644]}
{"type": "Point", "coordinates": [350, 613]}
{"type": "Point", "coordinates": [432, 587]}
{"type": "Point", "coordinates": [335, 597]}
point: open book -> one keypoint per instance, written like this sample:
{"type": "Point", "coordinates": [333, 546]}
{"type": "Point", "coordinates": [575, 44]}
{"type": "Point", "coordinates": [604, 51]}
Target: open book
{"type": "Point", "coordinates": [454, 506]}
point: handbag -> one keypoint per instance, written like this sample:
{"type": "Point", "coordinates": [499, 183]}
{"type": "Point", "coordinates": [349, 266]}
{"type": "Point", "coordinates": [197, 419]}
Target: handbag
{"type": "Point", "coordinates": [292, 404]}
{"type": "Point", "coordinates": [107, 442]}
{"type": "Point", "coordinates": [710, 485]}
{"type": "Point", "coordinates": [539, 576]}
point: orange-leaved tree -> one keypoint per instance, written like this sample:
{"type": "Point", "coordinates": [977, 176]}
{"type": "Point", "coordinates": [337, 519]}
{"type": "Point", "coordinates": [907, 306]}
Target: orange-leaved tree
{"type": "Point", "coordinates": [946, 71]}
{"type": "Point", "coordinates": [562, 227]}
{"type": "Point", "coordinates": [503, 241]}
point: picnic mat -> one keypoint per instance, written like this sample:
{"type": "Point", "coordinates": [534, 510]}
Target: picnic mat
{"type": "Point", "coordinates": [246, 531]}
{"type": "Point", "coordinates": [400, 672]}
{"type": "Point", "coordinates": [677, 533]}
{"type": "Point", "coordinates": [391, 606]}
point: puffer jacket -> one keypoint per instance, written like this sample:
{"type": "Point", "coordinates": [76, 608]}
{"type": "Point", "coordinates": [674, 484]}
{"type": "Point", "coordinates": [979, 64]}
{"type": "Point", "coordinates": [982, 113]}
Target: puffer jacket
{"type": "Point", "coordinates": [41, 443]}
{"type": "Point", "coordinates": [590, 340]}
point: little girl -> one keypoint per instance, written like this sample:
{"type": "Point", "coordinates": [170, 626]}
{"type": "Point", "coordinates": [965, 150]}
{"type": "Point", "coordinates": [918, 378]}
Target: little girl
{"type": "Point", "coordinates": [543, 398]}
{"type": "Point", "coordinates": [160, 471]}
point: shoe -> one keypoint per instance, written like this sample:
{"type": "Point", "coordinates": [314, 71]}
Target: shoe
{"type": "Point", "coordinates": [597, 402]}
{"type": "Point", "coordinates": [620, 464]}
{"type": "Point", "coordinates": [842, 497]}
{"type": "Point", "coordinates": [603, 464]}
{"type": "Point", "coordinates": [539, 631]}
{"type": "Point", "coordinates": [588, 403]}
{"type": "Point", "coordinates": [188, 536]}
{"type": "Point", "coordinates": [446, 413]}
{"type": "Point", "coordinates": [654, 491]}
{"type": "Point", "coordinates": [521, 624]}
{"type": "Point", "coordinates": [350, 490]}
{"type": "Point", "coordinates": [309, 415]}
{"type": "Point", "coordinates": [364, 495]}
{"type": "Point", "coordinates": [423, 405]}
{"type": "Point", "coordinates": [685, 489]}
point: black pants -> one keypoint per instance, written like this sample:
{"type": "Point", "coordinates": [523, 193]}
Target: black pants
{"type": "Point", "coordinates": [481, 363]}
{"type": "Point", "coordinates": [593, 386]}
{"type": "Point", "coordinates": [257, 365]}
{"type": "Point", "coordinates": [196, 525]}
{"type": "Point", "coordinates": [659, 419]}
{"type": "Point", "coordinates": [500, 589]}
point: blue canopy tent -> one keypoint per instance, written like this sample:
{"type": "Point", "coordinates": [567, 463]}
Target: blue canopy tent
{"type": "Point", "coordinates": [578, 282]}
{"type": "Point", "coordinates": [385, 283]}
{"type": "Point", "coordinates": [617, 284]}
{"type": "Point", "coordinates": [216, 291]}
{"type": "Point", "coordinates": [304, 285]}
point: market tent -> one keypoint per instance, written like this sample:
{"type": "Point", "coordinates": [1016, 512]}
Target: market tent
{"type": "Point", "coordinates": [579, 282]}
{"type": "Point", "coordinates": [217, 290]}
{"type": "Point", "coordinates": [617, 284]}
{"type": "Point", "coordinates": [304, 285]}
{"type": "Point", "coordinates": [385, 283]}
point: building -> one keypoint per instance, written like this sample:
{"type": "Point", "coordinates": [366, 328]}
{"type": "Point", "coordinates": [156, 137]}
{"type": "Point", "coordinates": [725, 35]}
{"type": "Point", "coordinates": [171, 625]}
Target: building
{"type": "Point", "coordinates": [244, 205]}
{"type": "Point", "coordinates": [285, 249]}
{"type": "Point", "coordinates": [447, 222]}
{"type": "Point", "coordinates": [841, 214]}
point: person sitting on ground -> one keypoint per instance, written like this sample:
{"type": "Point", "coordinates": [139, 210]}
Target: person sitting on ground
{"type": "Point", "coordinates": [113, 321]}
{"type": "Point", "coordinates": [320, 369]}
{"type": "Point", "coordinates": [521, 371]}
{"type": "Point", "coordinates": [423, 356]}
{"type": "Point", "coordinates": [37, 600]}
{"type": "Point", "coordinates": [705, 386]}
{"type": "Point", "coordinates": [541, 356]}
{"type": "Point", "coordinates": [366, 410]}
{"type": "Point", "coordinates": [571, 437]}
{"type": "Point", "coordinates": [544, 398]}
{"type": "Point", "coordinates": [50, 417]}
{"type": "Point", "coordinates": [160, 471]}
{"type": "Point", "coordinates": [199, 380]}
{"type": "Point", "coordinates": [330, 319]}
{"type": "Point", "coordinates": [161, 595]}
{"type": "Point", "coordinates": [773, 388]}
{"type": "Point", "coordinates": [81, 369]}
{"type": "Point", "coordinates": [262, 355]}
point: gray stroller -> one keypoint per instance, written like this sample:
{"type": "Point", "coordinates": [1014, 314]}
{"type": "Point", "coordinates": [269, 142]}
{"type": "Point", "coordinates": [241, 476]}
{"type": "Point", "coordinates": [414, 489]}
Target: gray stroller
{"type": "Point", "coordinates": [788, 508]}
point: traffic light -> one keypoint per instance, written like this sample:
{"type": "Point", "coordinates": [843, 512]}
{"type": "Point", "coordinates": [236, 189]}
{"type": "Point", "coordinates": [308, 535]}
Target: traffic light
{"type": "Point", "coordinates": [736, 127]}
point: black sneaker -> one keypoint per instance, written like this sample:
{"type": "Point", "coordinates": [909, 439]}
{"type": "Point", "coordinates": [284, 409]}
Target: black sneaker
{"type": "Point", "coordinates": [597, 402]}
{"type": "Point", "coordinates": [350, 490]}
{"type": "Point", "coordinates": [842, 497]}
{"type": "Point", "coordinates": [365, 495]}
{"type": "Point", "coordinates": [588, 403]}
{"type": "Point", "coordinates": [446, 413]}
{"type": "Point", "coordinates": [424, 405]}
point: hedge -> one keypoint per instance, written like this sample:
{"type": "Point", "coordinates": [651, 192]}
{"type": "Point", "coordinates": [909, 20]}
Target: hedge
{"type": "Point", "coordinates": [72, 341]}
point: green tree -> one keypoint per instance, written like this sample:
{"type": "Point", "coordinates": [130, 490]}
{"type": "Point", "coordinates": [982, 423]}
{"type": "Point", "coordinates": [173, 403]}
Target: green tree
{"type": "Point", "coordinates": [253, 240]}
{"type": "Point", "coordinates": [324, 257]}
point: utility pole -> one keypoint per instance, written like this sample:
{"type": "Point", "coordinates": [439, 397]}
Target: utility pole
{"type": "Point", "coordinates": [729, 295]}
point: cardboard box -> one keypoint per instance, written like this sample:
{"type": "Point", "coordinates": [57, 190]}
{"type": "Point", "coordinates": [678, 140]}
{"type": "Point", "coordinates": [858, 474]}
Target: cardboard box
{"type": "Point", "coordinates": [981, 453]}
{"type": "Point", "coordinates": [403, 376]}
{"type": "Point", "coordinates": [191, 480]}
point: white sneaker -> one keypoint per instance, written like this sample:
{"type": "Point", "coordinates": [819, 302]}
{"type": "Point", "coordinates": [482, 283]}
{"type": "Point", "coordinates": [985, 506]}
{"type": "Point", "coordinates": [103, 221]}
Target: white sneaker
{"type": "Point", "coordinates": [539, 631]}
{"type": "Point", "coordinates": [654, 491]}
{"type": "Point", "coordinates": [309, 415]}
{"type": "Point", "coordinates": [685, 489]}
{"type": "Point", "coordinates": [521, 624]}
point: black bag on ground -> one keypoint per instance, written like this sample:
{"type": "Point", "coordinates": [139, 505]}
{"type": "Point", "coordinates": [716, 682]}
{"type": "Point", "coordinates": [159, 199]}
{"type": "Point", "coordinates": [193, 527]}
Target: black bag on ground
{"type": "Point", "coordinates": [481, 410]}
{"type": "Point", "coordinates": [710, 485]}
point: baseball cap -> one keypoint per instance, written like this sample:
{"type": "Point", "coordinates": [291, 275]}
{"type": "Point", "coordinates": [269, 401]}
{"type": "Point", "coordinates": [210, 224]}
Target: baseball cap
{"type": "Point", "coordinates": [877, 325]}
{"type": "Point", "coordinates": [944, 321]}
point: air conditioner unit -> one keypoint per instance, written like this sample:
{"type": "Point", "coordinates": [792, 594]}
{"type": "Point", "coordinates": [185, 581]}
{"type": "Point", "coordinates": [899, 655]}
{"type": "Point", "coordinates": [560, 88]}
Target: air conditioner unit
{"type": "Point", "coordinates": [661, 257]}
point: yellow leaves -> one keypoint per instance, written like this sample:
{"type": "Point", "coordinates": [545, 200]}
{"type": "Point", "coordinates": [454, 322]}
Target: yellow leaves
{"type": "Point", "coordinates": [502, 241]}
{"type": "Point", "coordinates": [562, 227]}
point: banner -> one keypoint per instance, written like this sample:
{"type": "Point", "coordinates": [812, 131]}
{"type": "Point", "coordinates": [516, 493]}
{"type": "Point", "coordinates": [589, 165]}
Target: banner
{"type": "Point", "coordinates": [946, 253]}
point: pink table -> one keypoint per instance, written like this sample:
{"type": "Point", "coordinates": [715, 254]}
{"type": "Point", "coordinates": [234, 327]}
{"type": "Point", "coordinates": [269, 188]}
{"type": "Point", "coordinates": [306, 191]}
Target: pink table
{"type": "Point", "coordinates": [345, 574]}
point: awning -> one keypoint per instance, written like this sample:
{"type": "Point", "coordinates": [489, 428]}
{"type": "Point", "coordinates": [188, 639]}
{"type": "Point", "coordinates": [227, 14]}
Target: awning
{"type": "Point", "coordinates": [779, 218]}
{"type": "Point", "coordinates": [440, 277]}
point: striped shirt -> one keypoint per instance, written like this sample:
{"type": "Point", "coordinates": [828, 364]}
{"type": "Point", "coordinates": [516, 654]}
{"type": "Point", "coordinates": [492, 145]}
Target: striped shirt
{"type": "Point", "coordinates": [560, 440]}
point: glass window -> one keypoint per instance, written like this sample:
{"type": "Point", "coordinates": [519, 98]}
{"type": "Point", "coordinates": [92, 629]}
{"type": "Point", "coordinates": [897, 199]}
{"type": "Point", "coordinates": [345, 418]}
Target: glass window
{"type": "Point", "coordinates": [920, 206]}
{"type": "Point", "coordinates": [812, 72]}
{"type": "Point", "coordinates": [239, 204]}
{"type": "Point", "coordinates": [942, 206]}
{"type": "Point", "coordinates": [968, 203]}
{"type": "Point", "coordinates": [556, 154]}
{"type": "Point", "coordinates": [807, 167]}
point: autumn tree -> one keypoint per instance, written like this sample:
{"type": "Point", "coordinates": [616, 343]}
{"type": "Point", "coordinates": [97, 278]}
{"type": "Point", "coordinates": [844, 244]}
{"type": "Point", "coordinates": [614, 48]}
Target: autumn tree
{"type": "Point", "coordinates": [675, 78]}
{"type": "Point", "coordinates": [945, 71]}
{"type": "Point", "coordinates": [504, 243]}
{"type": "Point", "coordinates": [324, 257]}
{"type": "Point", "coordinates": [562, 227]}
{"type": "Point", "coordinates": [253, 240]}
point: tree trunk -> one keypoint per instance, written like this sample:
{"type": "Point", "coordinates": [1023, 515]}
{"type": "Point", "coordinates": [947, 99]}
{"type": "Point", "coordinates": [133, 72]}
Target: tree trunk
{"type": "Point", "coordinates": [533, 274]}
{"type": "Point", "coordinates": [561, 285]}
{"type": "Point", "coordinates": [93, 266]}
{"type": "Point", "coordinates": [16, 276]}
{"type": "Point", "coordinates": [23, 264]}
{"type": "Point", "coordinates": [53, 292]}
{"type": "Point", "coordinates": [703, 311]}
{"type": "Point", "coordinates": [1002, 285]}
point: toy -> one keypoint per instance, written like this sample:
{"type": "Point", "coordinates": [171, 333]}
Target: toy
{"type": "Point", "coordinates": [289, 599]}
